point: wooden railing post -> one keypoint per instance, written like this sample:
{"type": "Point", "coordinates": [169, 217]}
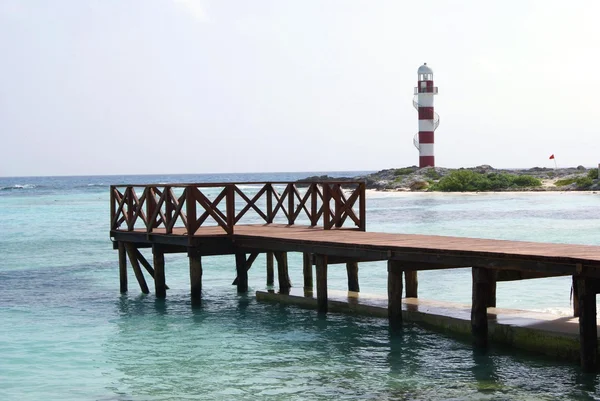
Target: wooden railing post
{"type": "Point", "coordinates": [339, 206]}
{"type": "Point", "coordinates": [290, 192]}
{"type": "Point", "coordinates": [168, 209]}
{"type": "Point", "coordinates": [150, 208]}
{"type": "Point", "coordinates": [362, 202]}
{"type": "Point", "coordinates": [190, 210]}
{"type": "Point", "coordinates": [113, 207]}
{"type": "Point", "coordinates": [230, 205]}
{"type": "Point", "coordinates": [313, 204]}
{"type": "Point", "coordinates": [269, 203]}
{"type": "Point", "coordinates": [326, 210]}
{"type": "Point", "coordinates": [129, 201]}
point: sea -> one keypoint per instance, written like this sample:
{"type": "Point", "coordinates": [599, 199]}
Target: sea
{"type": "Point", "coordinates": [66, 333]}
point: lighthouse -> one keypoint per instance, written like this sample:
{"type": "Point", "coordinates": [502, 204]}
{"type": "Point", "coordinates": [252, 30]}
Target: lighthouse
{"type": "Point", "coordinates": [428, 119]}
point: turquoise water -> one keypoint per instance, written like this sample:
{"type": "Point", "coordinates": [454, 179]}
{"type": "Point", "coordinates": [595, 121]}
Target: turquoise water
{"type": "Point", "coordinates": [67, 334]}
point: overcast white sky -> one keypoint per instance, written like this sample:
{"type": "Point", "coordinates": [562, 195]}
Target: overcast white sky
{"type": "Point", "coordinates": [201, 86]}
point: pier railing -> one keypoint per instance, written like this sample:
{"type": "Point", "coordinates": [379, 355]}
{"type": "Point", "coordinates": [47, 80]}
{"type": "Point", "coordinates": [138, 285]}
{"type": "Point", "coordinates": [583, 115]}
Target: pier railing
{"type": "Point", "coordinates": [161, 208]}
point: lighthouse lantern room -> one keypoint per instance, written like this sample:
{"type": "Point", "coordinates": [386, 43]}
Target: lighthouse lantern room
{"type": "Point", "coordinates": [428, 118]}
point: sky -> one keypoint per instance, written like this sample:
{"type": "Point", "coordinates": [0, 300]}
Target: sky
{"type": "Point", "coordinates": [213, 86]}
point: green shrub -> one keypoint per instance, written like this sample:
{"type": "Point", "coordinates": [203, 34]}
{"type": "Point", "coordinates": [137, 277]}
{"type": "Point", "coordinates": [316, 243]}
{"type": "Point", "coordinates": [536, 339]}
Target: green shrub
{"type": "Point", "coordinates": [467, 180]}
{"type": "Point", "coordinates": [565, 181]}
{"type": "Point", "coordinates": [432, 174]}
{"type": "Point", "coordinates": [404, 171]}
{"type": "Point", "coordinates": [584, 182]}
{"type": "Point", "coordinates": [593, 174]}
{"type": "Point", "coordinates": [526, 181]}
{"type": "Point", "coordinates": [580, 182]}
{"type": "Point", "coordinates": [459, 181]}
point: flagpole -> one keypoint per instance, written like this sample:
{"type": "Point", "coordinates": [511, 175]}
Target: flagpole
{"type": "Point", "coordinates": [552, 157]}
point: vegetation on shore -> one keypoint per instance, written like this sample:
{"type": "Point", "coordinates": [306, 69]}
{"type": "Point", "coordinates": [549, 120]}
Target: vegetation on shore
{"type": "Point", "coordinates": [472, 181]}
{"type": "Point", "coordinates": [479, 179]}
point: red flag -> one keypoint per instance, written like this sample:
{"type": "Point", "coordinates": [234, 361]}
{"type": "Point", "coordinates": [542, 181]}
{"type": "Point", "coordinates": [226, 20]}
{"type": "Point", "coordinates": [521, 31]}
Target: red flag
{"type": "Point", "coordinates": [552, 156]}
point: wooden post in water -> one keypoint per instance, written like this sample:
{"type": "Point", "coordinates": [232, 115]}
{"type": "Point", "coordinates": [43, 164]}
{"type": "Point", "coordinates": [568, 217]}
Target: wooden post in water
{"type": "Point", "coordinates": [412, 283]}
{"type": "Point", "coordinates": [307, 270]}
{"type": "Point", "coordinates": [242, 272]}
{"type": "Point", "coordinates": [588, 334]}
{"type": "Point", "coordinates": [160, 286]}
{"type": "Point", "coordinates": [282, 272]}
{"type": "Point", "coordinates": [321, 268]}
{"type": "Point", "coordinates": [395, 293]}
{"type": "Point", "coordinates": [270, 270]}
{"type": "Point", "coordinates": [481, 294]}
{"type": "Point", "coordinates": [131, 252]}
{"type": "Point", "coordinates": [122, 266]}
{"type": "Point", "coordinates": [195, 275]}
{"type": "Point", "coordinates": [145, 263]}
{"type": "Point", "coordinates": [491, 303]}
{"type": "Point", "coordinates": [352, 271]}
{"type": "Point", "coordinates": [575, 297]}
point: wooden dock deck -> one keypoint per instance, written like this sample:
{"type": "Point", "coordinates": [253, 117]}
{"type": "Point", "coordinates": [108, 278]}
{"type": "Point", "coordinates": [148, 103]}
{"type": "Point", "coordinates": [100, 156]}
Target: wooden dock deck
{"type": "Point", "coordinates": [326, 222]}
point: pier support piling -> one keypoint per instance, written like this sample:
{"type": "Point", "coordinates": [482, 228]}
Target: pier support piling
{"type": "Point", "coordinates": [135, 264]}
{"type": "Point", "coordinates": [412, 283]}
{"type": "Point", "coordinates": [395, 293]}
{"type": "Point", "coordinates": [195, 275]}
{"type": "Point", "coordinates": [588, 334]}
{"type": "Point", "coordinates": [146, 265]}
{"type": "Point", "coordinates": [270, 270]}
{"type": "Point", "coordinates": [307, 270]}
{"type": "Point", "coordinates": [482, 282]}
{"type": "Point", "coordinates": [491, 303]}
{"type": "Point", "coordinates": [160, 286]}
{"type": "Point", "coordinates": [282, 272]}
{"type": "Point", "coordinates": [242, 272]}
{"type": "Point", "coordinates": [575, 297]}
{"type": "Point", "coordinates": [352, 270]}
{"type": "Point", "coordinates": [122, 266]}
{"type": "Point", "coordinates": [251, 258]}
{"type": "Point", "coordinates": [321, 269]}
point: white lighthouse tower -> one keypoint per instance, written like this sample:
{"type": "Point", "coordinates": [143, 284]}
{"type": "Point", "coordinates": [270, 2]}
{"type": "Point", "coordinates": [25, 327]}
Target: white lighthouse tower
{"type": "Point", "coordinates": [428, 119]}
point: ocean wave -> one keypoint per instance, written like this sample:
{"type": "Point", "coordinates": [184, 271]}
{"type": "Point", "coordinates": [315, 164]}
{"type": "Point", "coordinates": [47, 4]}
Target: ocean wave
{"type": "Point", "coordinates": [560, 311]}
{"type": "Point", "coordinates": [17, 187]}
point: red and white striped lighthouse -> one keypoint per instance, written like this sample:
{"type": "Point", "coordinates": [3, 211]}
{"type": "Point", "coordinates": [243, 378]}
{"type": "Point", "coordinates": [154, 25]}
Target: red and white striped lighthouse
{"type": "Point", "coordinates": [428, 119]}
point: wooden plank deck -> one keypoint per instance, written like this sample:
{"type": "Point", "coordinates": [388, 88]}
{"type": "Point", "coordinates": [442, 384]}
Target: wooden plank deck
{"type": "Point", "coordinates": [420, 252]}
{"type": "Point", "coordinates": [423, 243]}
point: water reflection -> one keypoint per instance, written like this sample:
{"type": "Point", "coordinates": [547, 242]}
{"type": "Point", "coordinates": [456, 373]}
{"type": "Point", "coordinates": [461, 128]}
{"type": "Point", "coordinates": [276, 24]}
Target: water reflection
{"type": "Point", "coordinates": [234, 347]}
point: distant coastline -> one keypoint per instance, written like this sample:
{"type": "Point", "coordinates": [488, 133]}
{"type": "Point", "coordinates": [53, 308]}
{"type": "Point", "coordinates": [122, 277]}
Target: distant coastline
{"type": "Point", "coordinates": [477, 179]}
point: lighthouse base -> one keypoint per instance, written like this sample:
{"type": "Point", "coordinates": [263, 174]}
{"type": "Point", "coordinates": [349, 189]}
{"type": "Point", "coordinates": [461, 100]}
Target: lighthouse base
{"type": "Point", "coordinates": [426, 161]}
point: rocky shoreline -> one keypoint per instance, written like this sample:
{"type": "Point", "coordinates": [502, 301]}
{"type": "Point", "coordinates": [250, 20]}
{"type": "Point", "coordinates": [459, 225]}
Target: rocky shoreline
{"type": "Point", "coordinates": [477, 179]}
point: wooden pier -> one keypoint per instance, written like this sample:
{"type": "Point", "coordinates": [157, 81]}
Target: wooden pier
{"type": "Point", "coordinates": [326, 222]}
